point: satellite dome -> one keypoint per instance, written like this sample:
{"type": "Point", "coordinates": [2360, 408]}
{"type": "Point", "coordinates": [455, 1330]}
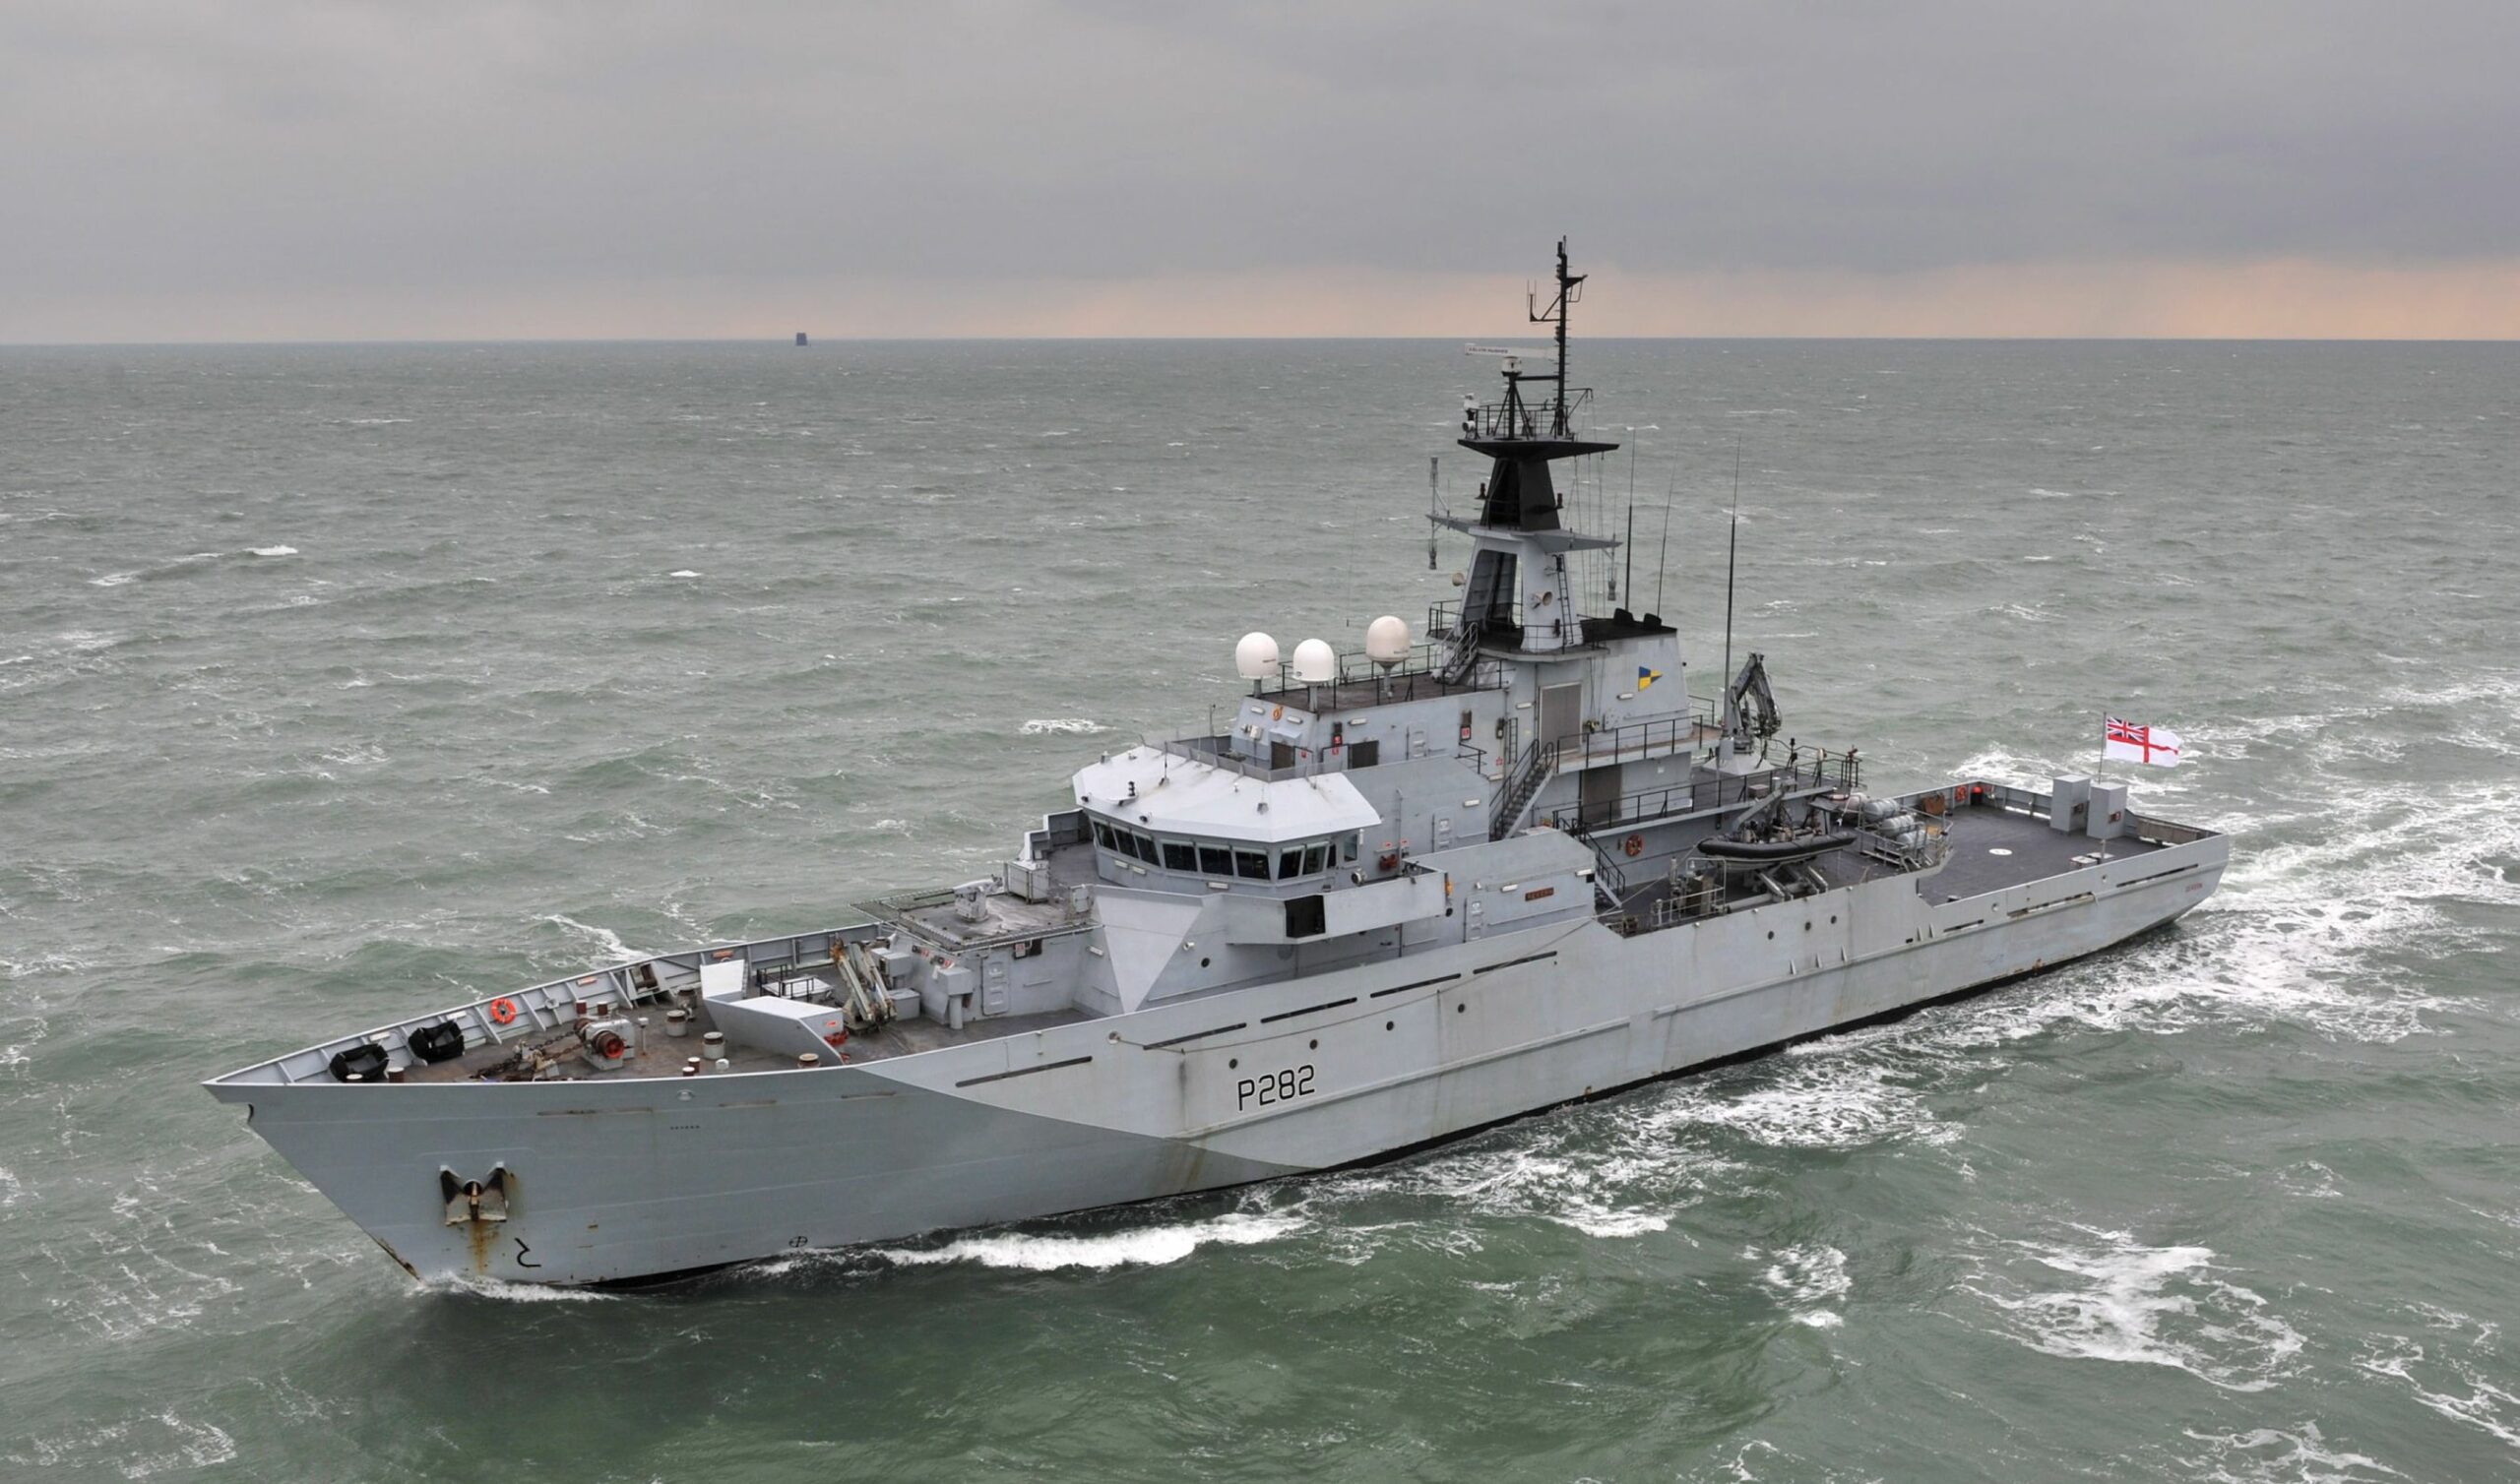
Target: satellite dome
{"type": "Point", "coordinates": [1255, 656]}
{"type": "Point", "coordinates": [1387, 641]}
{"type": "Point", "coordinates": [1316, 663]}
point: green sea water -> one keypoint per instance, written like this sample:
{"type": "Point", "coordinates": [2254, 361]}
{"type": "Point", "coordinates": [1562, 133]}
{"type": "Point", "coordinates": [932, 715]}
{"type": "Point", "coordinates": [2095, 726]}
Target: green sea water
{"type": "Point", "coordinates": [340, 683]}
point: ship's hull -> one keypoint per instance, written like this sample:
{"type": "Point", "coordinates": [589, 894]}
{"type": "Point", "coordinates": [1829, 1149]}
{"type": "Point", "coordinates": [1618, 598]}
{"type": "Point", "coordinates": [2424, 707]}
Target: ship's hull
{"type": "Point", "coordinates": [614, 1180]}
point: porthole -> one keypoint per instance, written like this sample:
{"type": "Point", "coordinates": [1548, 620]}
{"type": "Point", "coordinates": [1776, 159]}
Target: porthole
{"type": "Point", "coordinates": [1770, 934]}
{"type": "Point", "coordinates": [1203, 964]}
{"type": "Point", "coordinates": [1233, 1062]}
{"type": "Point", "coordinates": [1458, 1009]}
{"type": "Point", "coordinates": [1387, 1024]}
{"type": "Point", "coordinates": [1316, 1045]}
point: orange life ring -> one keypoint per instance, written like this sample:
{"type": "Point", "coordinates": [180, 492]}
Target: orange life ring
{"type": "Point", "coordinates": [1634, 845]}
{"type": "Point", "coordinates": [503, 1011]}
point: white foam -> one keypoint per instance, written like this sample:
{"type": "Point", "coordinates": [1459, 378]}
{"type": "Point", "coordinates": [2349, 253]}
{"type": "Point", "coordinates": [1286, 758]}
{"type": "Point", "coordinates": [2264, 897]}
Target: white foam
{"type": "Point", "coordinates": [2292, 933]}
{"type": "Point", "coordinates": [1145, 1247]}
{"type": "Point", "coordinates": [12, 1189]}
{"type": "Point", "coordinates": [2134, 1303]}
{"type": "Point", "coordinates": [682, 572]}
{"type": "Point", "coordinates": [113, 578]}
{"type": "Point", "coordinates": [513, 1293]}
{"type": "Point", "coordinates": [275, 551]}
{"type": "Point", "coordinates": [1072, 726]}
{"type": "Point", "coordinates": [1616, 1173]}
{"type": "Point", "coordinates": [606, 940]}
{"type": "Point", "coordinates": [1601, 1222]}
{"type": "Point", "coordinates": [2449, 1385]}
{"type": "Point", "coordinates": [2269, 1454]}
{"type": "Point", "coordinates": [1805, 1279]}
{"type": "Point", "coordinates": [1817, 1097]}
{"type": "Point", "coordinates": [137, 1448]}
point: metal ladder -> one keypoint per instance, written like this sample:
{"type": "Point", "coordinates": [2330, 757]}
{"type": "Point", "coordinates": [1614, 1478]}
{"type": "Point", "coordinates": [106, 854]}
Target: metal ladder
{"type": "Point", "coordinates": [1521, 788]}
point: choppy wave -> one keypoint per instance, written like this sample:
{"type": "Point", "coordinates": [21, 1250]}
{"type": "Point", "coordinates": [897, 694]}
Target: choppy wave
{"type": "Point", "coordinates": [2117, 1299]}
{"type": "Point", "coordinates": [606, 941]}
{"type": "Point", "coordinates": [2277, 1456]}
{"type": "Point", "coordinates": [1806, 1278]}
{"type": "Point", "coordinates": [274, 551]}
{"type": "Point", "coordinates": [2454, 1367]}
{"type": "Point", "coordinates": [1065, 726]}
{"type": "Point", "coordinates": [140, 1448]}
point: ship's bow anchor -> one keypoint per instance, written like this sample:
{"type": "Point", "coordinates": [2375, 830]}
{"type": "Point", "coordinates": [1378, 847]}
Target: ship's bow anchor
{"type": "Point", "coordinates": [470, 1202]}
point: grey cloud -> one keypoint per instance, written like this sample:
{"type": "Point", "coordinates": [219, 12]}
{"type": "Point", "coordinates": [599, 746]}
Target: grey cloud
{"type": "Point", "coordinates": [217, 146]}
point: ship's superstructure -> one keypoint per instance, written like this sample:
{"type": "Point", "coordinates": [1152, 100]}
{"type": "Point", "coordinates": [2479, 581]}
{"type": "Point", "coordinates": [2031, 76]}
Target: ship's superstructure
{"type": "Point", "coordinates": [1410, 891]}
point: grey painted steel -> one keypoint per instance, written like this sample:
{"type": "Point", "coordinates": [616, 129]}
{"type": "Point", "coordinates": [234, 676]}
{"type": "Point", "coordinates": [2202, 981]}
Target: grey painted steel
{"type": "Point", "coordinates": [1327, 933]}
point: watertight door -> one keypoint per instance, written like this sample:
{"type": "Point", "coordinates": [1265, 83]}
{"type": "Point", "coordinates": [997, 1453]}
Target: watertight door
{"type": "Point", "coordinates": [1561, 711]}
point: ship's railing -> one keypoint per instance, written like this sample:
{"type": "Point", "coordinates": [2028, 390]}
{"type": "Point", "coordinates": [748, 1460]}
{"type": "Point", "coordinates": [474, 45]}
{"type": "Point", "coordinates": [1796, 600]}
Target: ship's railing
{"type": "Point", "coordinates": [1522, 418]}
{"type": "Point", "coordinates": [1825, 770]}
{"type": "Point", "coordinates": [1651, 737]}
{"type": "Point", "coordinates": [1419, 672]}
{"type": "Point", "coordinates": [1218, 752]}
{"type": "Point", "coordinates": [1505, 625]}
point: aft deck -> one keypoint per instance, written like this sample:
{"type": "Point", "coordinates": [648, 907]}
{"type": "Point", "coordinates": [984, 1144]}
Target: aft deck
{"type": "Point", "coordinates": [1991, 848]}
{"type": "Point", "coordinates": [1976, 849]}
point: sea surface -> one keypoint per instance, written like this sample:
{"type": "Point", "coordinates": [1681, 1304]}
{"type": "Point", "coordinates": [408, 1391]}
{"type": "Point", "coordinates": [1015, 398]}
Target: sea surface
{"type": "Point", "coordinates": [340, 683]}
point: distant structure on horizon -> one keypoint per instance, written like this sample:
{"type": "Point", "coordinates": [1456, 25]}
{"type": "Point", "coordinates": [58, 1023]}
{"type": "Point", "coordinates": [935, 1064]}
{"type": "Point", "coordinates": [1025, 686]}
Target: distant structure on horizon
{"type": "Point", "coordinates": [800, 340]}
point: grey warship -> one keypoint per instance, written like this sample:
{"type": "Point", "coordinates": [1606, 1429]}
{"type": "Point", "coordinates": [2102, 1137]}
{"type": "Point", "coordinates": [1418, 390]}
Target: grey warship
{"type": "Point", "coordinates": [1444, 880]}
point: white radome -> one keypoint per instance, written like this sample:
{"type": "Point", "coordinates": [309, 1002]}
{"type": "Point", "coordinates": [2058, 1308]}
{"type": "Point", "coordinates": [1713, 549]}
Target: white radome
{"type": "Point", "coordinates": [1316, 663]}
{"type": "Point", "coordinates": [1387, 641]}
{"type": "Point", "coordinates": [1255, 656]}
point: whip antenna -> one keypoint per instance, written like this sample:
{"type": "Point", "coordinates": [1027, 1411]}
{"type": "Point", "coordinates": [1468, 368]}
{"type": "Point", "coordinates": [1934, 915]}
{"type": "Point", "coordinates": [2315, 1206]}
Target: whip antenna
{"type": "Point", "coordinates": [1731, 558]}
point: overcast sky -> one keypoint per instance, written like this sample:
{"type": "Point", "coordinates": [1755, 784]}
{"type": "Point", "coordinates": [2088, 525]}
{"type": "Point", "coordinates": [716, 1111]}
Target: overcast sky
{"type": "Point", "coordinates": [257, 169]}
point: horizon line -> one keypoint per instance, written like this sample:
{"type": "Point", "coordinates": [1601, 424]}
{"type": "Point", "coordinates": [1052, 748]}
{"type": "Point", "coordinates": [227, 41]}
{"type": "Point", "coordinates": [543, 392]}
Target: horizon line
{"type": "Point", "coordinates": [785, 342]}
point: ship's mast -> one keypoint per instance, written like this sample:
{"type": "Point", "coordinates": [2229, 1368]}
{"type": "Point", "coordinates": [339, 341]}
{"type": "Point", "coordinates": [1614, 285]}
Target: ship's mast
{"type": "Point", "coordinates": [1570, 287]}
{"type": "Point", "coordinates": [1519, 591]}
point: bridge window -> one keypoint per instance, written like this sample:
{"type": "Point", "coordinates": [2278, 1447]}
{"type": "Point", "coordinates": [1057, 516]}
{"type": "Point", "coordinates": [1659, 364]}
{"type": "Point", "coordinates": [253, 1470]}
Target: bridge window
{"type": "Point", "coordinates": [1216, 860]}
{"type": "Point", "coordinates": [1103, 835]}
{"type": "Point", "coordinates": [1316, 859]}
{"type": "Point", "coordinates": [1180, 855]}
{"type": "Point", "coordinates": [1290, 863]}
{"type": "Point", "coordinates": [1251, 865]}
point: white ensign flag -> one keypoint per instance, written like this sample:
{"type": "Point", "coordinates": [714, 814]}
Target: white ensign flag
{"type": "Point", "coordinates": [2124, 741]}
